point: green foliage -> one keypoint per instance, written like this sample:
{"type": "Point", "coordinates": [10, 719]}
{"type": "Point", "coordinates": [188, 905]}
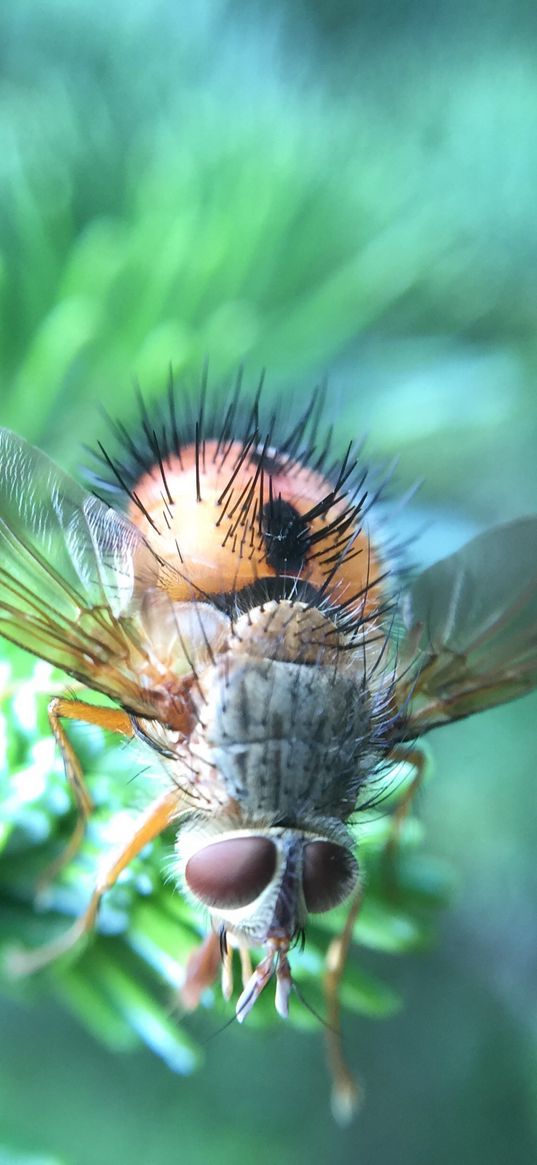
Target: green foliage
{"type": "Point", "coordinates": [315, 188]}
{"type": "Point", "coordinates": [159, 210]}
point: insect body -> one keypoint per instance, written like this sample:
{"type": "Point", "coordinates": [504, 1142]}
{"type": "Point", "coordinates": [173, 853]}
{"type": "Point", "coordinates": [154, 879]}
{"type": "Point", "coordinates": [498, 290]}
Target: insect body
{"type": "Point", "coordinates": [243, 618]}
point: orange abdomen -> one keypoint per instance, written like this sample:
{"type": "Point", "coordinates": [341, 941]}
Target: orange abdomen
{"type": "Point", "coordinates": [226, 518]}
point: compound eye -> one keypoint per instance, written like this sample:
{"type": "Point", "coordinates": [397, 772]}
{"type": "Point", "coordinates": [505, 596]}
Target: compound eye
{"type": "Point", "coordinates": [231, 873]}
{"type": "Point", "coordinates": [329, 873]}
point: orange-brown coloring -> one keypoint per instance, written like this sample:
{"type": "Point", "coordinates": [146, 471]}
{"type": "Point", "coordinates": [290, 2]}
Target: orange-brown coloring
{"type": "Point", "coordinates": [224, 519]}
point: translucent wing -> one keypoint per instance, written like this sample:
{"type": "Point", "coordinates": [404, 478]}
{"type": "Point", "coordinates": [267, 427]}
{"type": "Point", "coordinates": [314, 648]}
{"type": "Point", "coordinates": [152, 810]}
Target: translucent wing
{"type": "Point", "coordinates": [471, 628]}
{"type": "Point", "coordinates": [73, 574]}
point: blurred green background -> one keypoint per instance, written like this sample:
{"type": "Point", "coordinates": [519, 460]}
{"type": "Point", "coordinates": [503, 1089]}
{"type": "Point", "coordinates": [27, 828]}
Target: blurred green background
{"type": "Point", "coordinates": [319, 189]}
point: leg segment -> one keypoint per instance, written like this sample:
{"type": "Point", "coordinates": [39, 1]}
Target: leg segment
{"type": "Point", "coordinates": [345, 1089]}
{"type": "Point", "coordinates": [202, 969]}
{"type": "Point", "coordinates": [112, 720]}
{"type": "Point", "coordinates": [157, 817]}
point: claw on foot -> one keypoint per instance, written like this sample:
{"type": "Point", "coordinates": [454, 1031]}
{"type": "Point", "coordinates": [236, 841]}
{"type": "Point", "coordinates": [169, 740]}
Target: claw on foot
{"type": "Point", "coordinates": [346, 1100]}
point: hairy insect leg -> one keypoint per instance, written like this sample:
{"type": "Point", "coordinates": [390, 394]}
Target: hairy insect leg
{"type": "Point", "coordinates": [112, 720]}
{"type": "Point", "coordinates": [345, 1089]}
{"type": "Point", "coordinates": [157, 817]}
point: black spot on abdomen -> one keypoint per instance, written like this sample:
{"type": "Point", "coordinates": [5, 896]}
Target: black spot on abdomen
{"type": "Point", "coordinates": [286, 536]}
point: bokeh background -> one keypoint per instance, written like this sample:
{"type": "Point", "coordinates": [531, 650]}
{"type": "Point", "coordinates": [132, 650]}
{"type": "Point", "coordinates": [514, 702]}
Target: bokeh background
{"type": "Point", "coordinates": [318, 189]}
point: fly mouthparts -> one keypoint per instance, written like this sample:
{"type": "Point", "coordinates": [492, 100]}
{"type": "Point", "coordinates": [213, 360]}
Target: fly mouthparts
{"type": "Point", "coordinates": [274, 961]}
{"type": "Point", "coordinates": [284, 984]}
{"type": "Point", "coordinates": [255, 985]}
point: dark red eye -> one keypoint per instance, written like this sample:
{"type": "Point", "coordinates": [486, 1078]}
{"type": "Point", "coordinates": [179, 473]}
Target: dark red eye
{"type": "Point", "coordinates": [233, 872]}
{"type": "Point", "coordinates": [329, 873]}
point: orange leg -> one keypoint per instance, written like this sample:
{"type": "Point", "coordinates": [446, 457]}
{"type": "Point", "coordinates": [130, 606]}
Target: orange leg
{"type": "Point", "coordinates": [201, 971]}
{"type": "Point", "coordinates": [345, 1089]}
{"type": "Point", "coordinates": [157, 817]}
{"type": "Point", "coordinates": [112, 720]}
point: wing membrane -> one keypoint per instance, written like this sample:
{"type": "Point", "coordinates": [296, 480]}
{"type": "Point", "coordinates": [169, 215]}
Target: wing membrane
{"type": "Point", "coordinates": [471, 628]}
{"type": "Point", "coordinates": [72, 576]}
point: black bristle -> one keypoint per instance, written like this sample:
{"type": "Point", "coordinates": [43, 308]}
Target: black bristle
{"type": "Point", "coordinates": [113, 466]}
{"type": "Point", "coordinates": [258, 515]}
{"type": "Point", "coordinates": [238, 466]}
{"type": "Point", "coordinates": [198, 478]}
